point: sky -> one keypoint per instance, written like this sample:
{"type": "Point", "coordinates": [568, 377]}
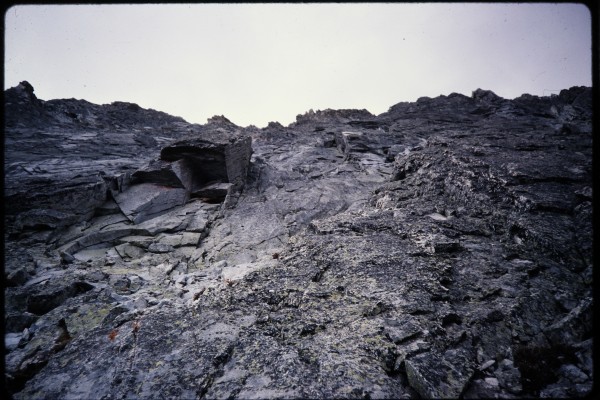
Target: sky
{"type": "Point", "coordinates": [256, 63]}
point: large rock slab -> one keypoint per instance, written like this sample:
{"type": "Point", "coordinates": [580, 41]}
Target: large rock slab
{"type": "Point", "coordinates": [145, 201]}
{"type": "Point", "coordinates": [56, 203]}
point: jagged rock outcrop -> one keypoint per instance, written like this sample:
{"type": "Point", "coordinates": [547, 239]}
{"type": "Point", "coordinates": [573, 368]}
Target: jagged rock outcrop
{"type": "Point", "coordinates": [212, 157]}
{"type": "Point", "coordinates": [442, 249]}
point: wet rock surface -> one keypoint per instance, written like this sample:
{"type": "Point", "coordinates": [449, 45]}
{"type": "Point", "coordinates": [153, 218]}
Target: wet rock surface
{"type": "Point", "coordinates": [442, 249]}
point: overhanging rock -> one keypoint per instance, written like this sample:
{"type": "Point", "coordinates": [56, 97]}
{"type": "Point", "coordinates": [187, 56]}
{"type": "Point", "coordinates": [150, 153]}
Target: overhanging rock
{"type": "Point", "coordinates": [173, 174]}
{"type": "Point", "coordinates": [209, 164]}
{"type": "Point", "coordinates": [213, 157]}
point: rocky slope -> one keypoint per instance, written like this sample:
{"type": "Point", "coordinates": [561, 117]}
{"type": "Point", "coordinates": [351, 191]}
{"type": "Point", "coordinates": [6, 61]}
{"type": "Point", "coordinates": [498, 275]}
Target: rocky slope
{"type": "Point", "coordinates": [438, 250]}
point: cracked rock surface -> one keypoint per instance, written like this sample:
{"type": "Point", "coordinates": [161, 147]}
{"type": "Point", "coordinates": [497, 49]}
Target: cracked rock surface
{"type": "Point", "coordinates": [442, 249]}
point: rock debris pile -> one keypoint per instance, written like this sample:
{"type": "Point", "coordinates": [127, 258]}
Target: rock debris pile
{"type": "Point", "coordinates": [442, 249]}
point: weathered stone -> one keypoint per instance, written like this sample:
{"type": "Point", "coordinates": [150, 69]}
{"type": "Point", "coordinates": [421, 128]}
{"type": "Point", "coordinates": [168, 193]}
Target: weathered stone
{"type": "Point", "coordinates": [11, 341]}
{"type": "Point", "coordinates": [173, 174]}
{"type": "Point", "coordinates": [190, 239]}
{"type": "Point", "coordinates": [168, 222]}
{"type": "Point", "coordinates": [39, 219]}
{"type": "Point", "coordinates": [146, 201]}
{"type": "Point", "coordinates": [399, 332]}
{"type": "Point", "coordinates": [50, 298]}
{"type": "Point", "coordinates": [213, 156]}
{"type": "Point", "coordinates": [98, 237]}
{"type": "Point", "coordinates": [509, 377]}
{"type": "Point", "coordinates": [127, 250]}
{"type": "Point", "coordinates": [17, 277]}
{"type": "Point", "coordinates": [217, 191]}
{"type": "Point", "coordinates": [198, 222]}
{"type": "Point", "coordinates": [55, 205]}
{"type": "Point", "coordinates": [440, 377]}
{"type": "Point", "coordinates": [160, 248]}
{"type": "Point", "coordinates": [109, 207]}
{"type": "Point", "coordinates": [138, 241]}
{"type": "Point", "coordinates": [173, 240]}
{"type": "Point", "coordinates": [574, 327]}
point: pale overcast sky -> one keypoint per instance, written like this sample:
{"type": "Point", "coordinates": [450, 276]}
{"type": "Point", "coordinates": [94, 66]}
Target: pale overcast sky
{"type": "Point", "coordinates": [256, 63]}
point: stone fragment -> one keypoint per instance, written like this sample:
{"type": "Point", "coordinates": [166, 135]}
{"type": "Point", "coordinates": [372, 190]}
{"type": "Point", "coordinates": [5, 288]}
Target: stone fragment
{"type": "Point", "coordinates": [401, 331]}
{"type": "Point", "coordinates": [146, 201]}
{"type": "Point", "coordinates": [138, 241]}
{"type": "Point", "coordinates": [98, 237]}
{"type": "Point", "coordinates": [574, 327]}
{"type": "Point", "coordinates": [176, 174]}
{"type": "Point", "coordinates": [54, 295]}
{"type": "Point", "coordinates": [169, 222]}
{"type": "Point", "coordinates": [509, 377]}
{"type": "Point", "coordinates": [198, 222]}
{"type": "Point", "coordinates": [160, 248]}
{"type": "Point", "coordinates": [173, 240]}
{"type": "Point", "coordinates": [487, 365]}
{"type": "Point", "coordinates": [217, 191]}
{"type": "Point", "coordinates": [11, 341]}
{"type": "Point", "coordinates": [17, 277]}
{"type": "Point", "coordinates": [572, 373]}
{"type": "Point", "coordinates": [439, 376]}
{"type": "Point", "coordinates": [90, 254]}
{"type": "Point", "coordinates": [438, 217]}
{"type": "Point", "coordinates": [127, 250]}
{"type": "Point", "coordinates": [491, 381]}
{"type": "Point", "coordinates": [190, 239]}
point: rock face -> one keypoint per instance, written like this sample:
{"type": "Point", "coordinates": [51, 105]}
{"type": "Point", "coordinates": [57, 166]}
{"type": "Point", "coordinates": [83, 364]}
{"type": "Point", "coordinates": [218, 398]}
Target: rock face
{"type": "Point", "coordinates": [442, 249]}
